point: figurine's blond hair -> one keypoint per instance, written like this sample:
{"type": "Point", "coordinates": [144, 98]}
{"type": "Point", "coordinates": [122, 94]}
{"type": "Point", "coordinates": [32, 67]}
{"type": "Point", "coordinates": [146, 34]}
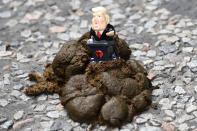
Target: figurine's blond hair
{"type": "Point", "coordinates": [103, 10]}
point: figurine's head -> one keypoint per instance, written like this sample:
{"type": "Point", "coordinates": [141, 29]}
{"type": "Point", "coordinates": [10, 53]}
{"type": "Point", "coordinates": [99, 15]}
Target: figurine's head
{"type": "Point", "coordinates": [100, 18]}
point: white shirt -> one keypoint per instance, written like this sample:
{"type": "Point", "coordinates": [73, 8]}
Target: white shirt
{"type": "Point", "coordinates": [100, 32]}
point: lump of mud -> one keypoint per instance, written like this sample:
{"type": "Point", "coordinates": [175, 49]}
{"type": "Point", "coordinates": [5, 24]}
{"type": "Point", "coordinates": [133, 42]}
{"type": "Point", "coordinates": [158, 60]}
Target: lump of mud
{"type": "Point", "coordinates": [71, 59]}
{"type": "Point", "coordinates": [107, 92]}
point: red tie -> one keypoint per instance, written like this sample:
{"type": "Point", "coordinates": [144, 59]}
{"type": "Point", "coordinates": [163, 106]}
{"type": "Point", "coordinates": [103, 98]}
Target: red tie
{"type": "Point", "coordinates": [98, 34]}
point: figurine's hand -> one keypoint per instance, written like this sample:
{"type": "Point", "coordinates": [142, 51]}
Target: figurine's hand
{"type": "Point", "coordinates": [90, 41]}
{"type": "Point", "coordinates": [111, 33]}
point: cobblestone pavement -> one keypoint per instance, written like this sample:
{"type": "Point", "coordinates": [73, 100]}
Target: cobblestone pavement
{"type": "Point", "coordinates": [161, 33]}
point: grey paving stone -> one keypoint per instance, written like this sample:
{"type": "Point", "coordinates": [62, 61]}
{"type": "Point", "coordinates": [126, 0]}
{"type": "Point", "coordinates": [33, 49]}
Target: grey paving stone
{"type": "Point", "coordinates": [46, 124]}
{"type": "Point", "coordinates": [170, 113]}
{"type": "Point", "coordinates": [179, 90]}
{"type": "Point", "coordinates": [5, 14]}
{"type": "Point", "coordinates": [53, 114]}
{"type": "Point", "coordinates": [166, 103]}
{"type": "Point", "coordinates": [57, 126]}
{"type": "Point", "coordinates": [18, 115]}
{"type": "Point", "coordinates": [192, 64]}
{"type": "Point", "coordinates": [15, 93]}
{"type": "Point", "coordinates": [191, 108]}
{"type": "Point", "coordinates": [150, 24]}
{"type": "Point", "coordinates": [3, 102]}
{"type": "Point", "coordinates": [150, 128]}
{"type": "Point", "coordinates": [151, 53]}
{"type": "Point", "coordinates": [2, 119]}
{"type": "Point", "coordinates": [140, 120]}
{"type": "Point", "coordinates": [139, 53]}
{"type": "Point", "coordinates": [12, 23]}
{"type": "Point", "coordinates": [183, 127]}
{"type": "Point", "coordinates": [168, 48]}
{"type": "Point", "coordinates": [7, 124]}
{"type": "Point", "coordinates": [156, 123]}
{"type": "Point", "coordinates": [42, 97]}
{"type": "Point", "coordinates": [26, 33]}
{"type": "Point", "coordinates": [63, 36]}
{"type": "Point", "coordinates": [40, 108]}
{"type": "Point", "coordinates": [18, 87]}
{"type": "Point", "coordinates": [184, 118]}
{"type": "Point", "coordinates": [157, 92]}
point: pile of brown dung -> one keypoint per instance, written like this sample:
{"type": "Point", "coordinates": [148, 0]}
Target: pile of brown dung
{"type": "Point", "coordinates": [107, 92]}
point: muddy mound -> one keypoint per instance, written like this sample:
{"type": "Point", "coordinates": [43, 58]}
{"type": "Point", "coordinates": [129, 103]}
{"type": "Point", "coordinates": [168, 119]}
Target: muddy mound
{"type": "Point", "coordinates": [71, 59]}
{"type": "Point", "coordinates": [111, 91]}
{"type": "Point", "coordinates": [107, 92]}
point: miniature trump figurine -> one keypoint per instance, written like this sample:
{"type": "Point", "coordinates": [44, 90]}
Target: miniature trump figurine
{"type": "Point", "coordinates": [101, 29]}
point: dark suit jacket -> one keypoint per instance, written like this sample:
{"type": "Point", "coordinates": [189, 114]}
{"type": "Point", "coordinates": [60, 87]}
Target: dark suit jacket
{"type": "Point", "coordinates": [103, 36]}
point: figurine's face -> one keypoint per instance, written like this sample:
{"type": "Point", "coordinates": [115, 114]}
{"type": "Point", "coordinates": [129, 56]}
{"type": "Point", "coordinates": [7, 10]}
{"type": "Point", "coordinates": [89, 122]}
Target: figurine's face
{"type": "Point", "coordinates": [99, 22]}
